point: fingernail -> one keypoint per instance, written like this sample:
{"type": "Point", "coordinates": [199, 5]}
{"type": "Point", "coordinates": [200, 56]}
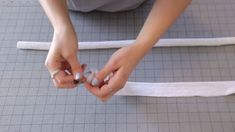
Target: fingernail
{"type": "Point", "coordinates": [67, 71]}
{"type": "Point", "coordinates": [77, 76]}
{"type": "Point", "coordinates": [106, 78]}
{"type": "Point", "coordinates": [95, 82]}
{"type": "Point", "coordinates": [89, 78]}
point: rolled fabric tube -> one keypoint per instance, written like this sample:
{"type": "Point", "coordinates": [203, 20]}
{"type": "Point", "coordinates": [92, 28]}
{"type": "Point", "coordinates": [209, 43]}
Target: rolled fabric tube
{"type": "Point", "coordinates": [122, 43]}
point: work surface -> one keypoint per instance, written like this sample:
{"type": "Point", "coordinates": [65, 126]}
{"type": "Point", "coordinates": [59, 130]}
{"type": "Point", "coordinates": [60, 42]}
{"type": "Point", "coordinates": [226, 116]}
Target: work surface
{"type": "Point", "coordinates": [29, 102]}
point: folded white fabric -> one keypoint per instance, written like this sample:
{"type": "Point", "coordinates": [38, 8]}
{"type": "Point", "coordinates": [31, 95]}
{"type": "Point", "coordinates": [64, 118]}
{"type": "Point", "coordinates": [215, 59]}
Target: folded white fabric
{"type": "Point", "coordinates": [178, 89]}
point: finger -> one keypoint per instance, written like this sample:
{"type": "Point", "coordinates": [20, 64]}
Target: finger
{"type": "Point", "coordinates": [109, 88]}
{"type": "Point", "coordinates": [68, 70]}
{"type": "Point", "coordinates": [106, 92]}
{"type": "Point", "coordinates": [63, 78]}
{"type": "Point", "coordinates": [94, 90]}
{"type": "Point", "coordinates": [107, 97]}
{"type": "Point", "coordinates": [64, 85]}
{"type": "Point", "coordinates": [82, 78]}
{"type": "Point", "coordinates": [75, 66]}
{"type": "Point", "coordinates": [116, 82]}
{"type": "Point", "coordinates": [103, 73]}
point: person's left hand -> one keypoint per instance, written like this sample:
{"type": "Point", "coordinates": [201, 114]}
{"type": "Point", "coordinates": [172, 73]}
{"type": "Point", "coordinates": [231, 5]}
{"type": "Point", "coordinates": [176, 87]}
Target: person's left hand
{"type": "Point", "coordinates": [119, 66]}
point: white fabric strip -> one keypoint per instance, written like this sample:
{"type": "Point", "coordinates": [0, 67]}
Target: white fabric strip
{"type": "Point", "coordinates": [178, 89]}
{"type": "Point", "coordinates": [123, 43]}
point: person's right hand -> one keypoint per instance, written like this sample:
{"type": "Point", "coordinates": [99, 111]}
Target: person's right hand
{"type": "Point", "coordinates": [62, 57]}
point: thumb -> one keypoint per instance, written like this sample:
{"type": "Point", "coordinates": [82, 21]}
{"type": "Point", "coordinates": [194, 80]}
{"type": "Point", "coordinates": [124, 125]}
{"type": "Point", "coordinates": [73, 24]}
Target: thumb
{"type": "Point", "coordinates": [76, 67]}
{"type": "Point", "coordinates": [103, 73]}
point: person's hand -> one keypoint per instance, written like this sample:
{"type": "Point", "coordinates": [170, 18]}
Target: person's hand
{"type": "Point", "coordinates": [118, 68]}
{"type": "Point", "coordinates": [62, 61]}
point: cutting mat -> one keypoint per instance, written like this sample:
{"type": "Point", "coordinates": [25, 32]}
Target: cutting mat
{"type": "Point", "coordinates": [29, 102]}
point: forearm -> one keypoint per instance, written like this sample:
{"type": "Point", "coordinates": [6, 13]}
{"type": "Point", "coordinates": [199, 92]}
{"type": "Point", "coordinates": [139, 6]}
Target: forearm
{"type": "Point", "coordinates": [162, 15]}
{"type": "Point", "coordinates": [57, 12]}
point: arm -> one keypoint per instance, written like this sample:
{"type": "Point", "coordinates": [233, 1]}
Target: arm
{"type": "Point", "coordinates": [63, 51]}
{"type": "Point", "coordinates": [123, 61]}
{"type": "Point", "coordinates": [161, 17]}
{"type": "Point", "coordinates": [57, 12]}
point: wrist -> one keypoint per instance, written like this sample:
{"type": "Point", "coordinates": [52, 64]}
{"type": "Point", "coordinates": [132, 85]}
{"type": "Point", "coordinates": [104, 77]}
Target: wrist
{"type": "Point", "coordinates": [63, 28]}
{"type": "Point", "coordinates": [141, 49]}
{"type": "Point", "coordinates": [65, 32]}
{"type": "Point", "coordinates": [65, 35]}
{"type": "Point", "coordinates": [136, 52]}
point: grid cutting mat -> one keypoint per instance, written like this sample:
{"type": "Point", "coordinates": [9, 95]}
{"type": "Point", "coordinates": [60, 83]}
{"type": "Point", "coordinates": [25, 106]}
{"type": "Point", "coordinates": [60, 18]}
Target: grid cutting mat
{"type": "Point", "coordinates": [30, 103]}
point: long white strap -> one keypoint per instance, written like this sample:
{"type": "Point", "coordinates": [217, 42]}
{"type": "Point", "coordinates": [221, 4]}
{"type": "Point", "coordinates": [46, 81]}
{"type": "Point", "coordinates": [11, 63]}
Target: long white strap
{"type": "Point", "coordinates": [123, 43]}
